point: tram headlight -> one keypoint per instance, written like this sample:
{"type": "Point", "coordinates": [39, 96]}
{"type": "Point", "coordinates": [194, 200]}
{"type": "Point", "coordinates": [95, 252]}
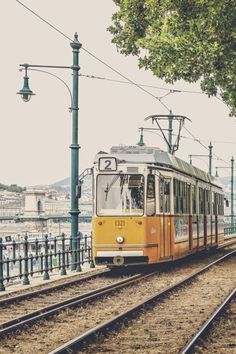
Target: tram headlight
{"type": "Point", "coordinates": [120, 239]}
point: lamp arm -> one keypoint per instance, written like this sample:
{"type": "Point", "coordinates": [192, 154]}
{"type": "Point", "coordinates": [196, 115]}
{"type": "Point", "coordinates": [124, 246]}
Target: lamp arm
{"type": "Point", "coordinates": [57, 77]}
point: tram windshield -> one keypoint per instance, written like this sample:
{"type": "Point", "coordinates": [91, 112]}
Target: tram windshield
{"type": "Point", "coordinates": [120, 194]}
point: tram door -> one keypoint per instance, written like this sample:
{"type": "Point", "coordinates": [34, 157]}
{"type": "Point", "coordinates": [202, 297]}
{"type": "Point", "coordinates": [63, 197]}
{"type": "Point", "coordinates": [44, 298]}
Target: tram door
{"type": "Point", "coordinates": [165, 219]}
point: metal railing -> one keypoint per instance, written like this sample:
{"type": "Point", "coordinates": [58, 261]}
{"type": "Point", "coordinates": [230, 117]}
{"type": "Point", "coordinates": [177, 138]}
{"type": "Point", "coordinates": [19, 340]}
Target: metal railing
{"type": "Point", "coordinates": [46, 255]}
{"type": "Point", "coordinates": [229, 229]}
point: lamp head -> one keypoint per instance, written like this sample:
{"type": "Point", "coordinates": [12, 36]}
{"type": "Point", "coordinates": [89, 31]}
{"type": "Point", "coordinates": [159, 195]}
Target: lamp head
{"type": "Point", "coordinates": [25, 92]}
{"type": "Point", "coordinates": [141, 142]}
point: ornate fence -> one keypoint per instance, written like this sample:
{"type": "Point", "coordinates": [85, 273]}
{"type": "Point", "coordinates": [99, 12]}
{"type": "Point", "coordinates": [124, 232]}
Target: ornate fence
{"type": "Point", "coordinates": [230, 229]}
{"type": "Point", "coordinates": [21, 260]}
{"type": "Point", "coordinates": [48, 255]}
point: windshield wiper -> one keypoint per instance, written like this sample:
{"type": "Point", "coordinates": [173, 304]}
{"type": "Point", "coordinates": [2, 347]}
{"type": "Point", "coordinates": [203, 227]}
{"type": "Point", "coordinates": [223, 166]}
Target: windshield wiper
{"type": "Point", "coordinates": [115, 178]}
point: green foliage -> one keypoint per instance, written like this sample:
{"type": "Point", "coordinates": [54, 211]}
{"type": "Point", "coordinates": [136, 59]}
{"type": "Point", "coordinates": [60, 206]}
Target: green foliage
{"type": "Point", "coordinates": [182, 39]}
{"type": "Point", "coordinates": [12, 188]}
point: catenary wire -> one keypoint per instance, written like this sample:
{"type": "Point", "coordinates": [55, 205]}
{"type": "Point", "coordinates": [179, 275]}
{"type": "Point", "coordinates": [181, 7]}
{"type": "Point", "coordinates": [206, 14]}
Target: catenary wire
{"type": "Point", "coordinates": [95, 57]}
{"type": "Point", "coordinates": [42, 19]}
{"type": "Point", "coordinates": [205, 147]}
{"type": "Point", "coordinates": [149, 86]}
{"type": "Point", "coordinates": [111, 68]}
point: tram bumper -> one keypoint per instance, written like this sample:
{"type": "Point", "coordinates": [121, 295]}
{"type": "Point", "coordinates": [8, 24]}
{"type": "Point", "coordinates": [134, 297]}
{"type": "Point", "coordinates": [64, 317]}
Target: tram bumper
{"type": "Point", "coordinates": [120, 258]}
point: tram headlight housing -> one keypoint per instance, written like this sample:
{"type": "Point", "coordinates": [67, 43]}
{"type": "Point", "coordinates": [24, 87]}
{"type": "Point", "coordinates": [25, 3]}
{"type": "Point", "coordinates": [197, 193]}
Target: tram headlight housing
{"type": "Point", "coordinates": [120, 239]}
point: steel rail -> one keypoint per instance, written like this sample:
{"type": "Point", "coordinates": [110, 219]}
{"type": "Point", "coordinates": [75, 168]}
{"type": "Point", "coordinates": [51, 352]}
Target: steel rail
{"type": "Point", "coordinates": [28, 295]}
{"type": "Point", "coordinates": [79, 341]}
{"type": "Point", "coordinates": [51, 310]}
{"type": "Point", "coordinates": [226, 243]}
{"type": "Point", "coordinates": [207, 324]}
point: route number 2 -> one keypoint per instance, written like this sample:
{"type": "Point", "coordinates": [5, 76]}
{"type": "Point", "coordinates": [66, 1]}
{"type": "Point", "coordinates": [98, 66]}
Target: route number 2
{"type": "Point", "coordinates": [107, 164]}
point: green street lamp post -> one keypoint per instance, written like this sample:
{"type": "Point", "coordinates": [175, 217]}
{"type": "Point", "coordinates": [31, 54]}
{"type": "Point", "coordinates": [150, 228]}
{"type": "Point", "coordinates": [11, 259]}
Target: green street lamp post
{"type": "Point", "coordinates": [170, 131]}
{"type": "Point", "coordinates": [210, 147]}
{"type": "Point", "coordinates": [26, 94]}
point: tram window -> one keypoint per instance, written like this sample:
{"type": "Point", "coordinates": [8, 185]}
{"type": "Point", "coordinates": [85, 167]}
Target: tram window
{"type": "Point", "coordinates": [151, 201]}
{"type": "Point", "coordinates": [213, 199]}
{"type": "Point", "coordinates": [208, 202]}
{"type": "Point", "coordinates": [201, 201]}
{"type": "Point", "coordinates": [164, 195]}
{"type": "Point", "coordinates": [185, 198]}
{"type": "Point", "coordinates": [188, 199]}
{"type": "Point", "coordinates": [166, 188]}
{"type": "Point", "coordinates": [176, 196]}
{"type": "Point", "coordinates": [181, 197]}
{"type": "Point", "coordinates": [217, 203]}
{"type": "Point", "coordinates": [220, 204]}
{"type": "Point", "coordinates": [167, 196]}
{"type": "Point", "coordinates": [194, 204]}
{"type": "Point", "coordinates": [120, 194]}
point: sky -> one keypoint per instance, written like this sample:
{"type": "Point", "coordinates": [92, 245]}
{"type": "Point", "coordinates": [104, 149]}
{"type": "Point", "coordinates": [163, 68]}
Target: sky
{"type": "Point", "coordinates": [35, 136]}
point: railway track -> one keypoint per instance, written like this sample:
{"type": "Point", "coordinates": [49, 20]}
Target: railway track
{"type": "Point", "coordinates": [221, 336]}
{"type": "Point", "coordinates": [57, 283]}
{"type": "Point", "coordinates": [80, 316]}
{"type": "Point", "coordinates": [200, 335]}
{"type": "Point", "coordinates": [163, 322]}
{"type": "Point", "coordinates": [23, 308]}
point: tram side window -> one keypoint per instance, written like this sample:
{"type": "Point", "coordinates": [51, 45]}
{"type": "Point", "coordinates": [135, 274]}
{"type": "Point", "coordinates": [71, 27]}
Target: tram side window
{"type": "Point", "coordinates": [220, 204]}
{"type": "Point", "coordinates": [208, 202]}
{"type": "Point", "coordinates": [213, 203]}
{"type": "Point", "coordinates": [217, 203]}
{"type": "Point", "coordinates": [164, 195]}
{"type": "Point", "coordinates": [201, 201]}
{"type": "Point", "coordinates": [151, 201]}
{"type": "Point", "coordinates": [176, 195]}
{"type": "Point", "coordinates": [194, 203]}
{"type": "Point", "coordinates": [181, 197]}
{"type": "Point", "coordinates": [177, 200]}
{"type": "Point", "coordinates": [188, 190]}
{"type": "Point", "coordinates": [186, 197]}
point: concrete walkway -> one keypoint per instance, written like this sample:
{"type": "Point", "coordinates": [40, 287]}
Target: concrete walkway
{"type": "Point", "coordinates": [37, 280]}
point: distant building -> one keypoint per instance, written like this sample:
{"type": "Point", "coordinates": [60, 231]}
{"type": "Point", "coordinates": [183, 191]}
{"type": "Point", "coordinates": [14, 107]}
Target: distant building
{"type": "Point", "coordinates": [34, 202]}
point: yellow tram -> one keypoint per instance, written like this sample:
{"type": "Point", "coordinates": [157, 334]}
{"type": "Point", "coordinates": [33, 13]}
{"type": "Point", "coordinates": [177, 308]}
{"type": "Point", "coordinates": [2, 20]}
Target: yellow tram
{"type": "Point", "coordinates": [152, 207]}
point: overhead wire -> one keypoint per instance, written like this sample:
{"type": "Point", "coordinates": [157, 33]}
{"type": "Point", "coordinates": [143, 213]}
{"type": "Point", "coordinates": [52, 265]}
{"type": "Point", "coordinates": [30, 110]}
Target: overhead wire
{"type": "Point", "coordinates": [42, 19]}
{"type": "Point", "coordinates": [200, 142]}
{"type": "Point", "coordinates": [144, 85]}
{"type": "Point", "coordinates": [141, 87]}
{"type": "Point", "coordinates": [95, 57]}
{"type": "Point", "coordinates": [126, 78]}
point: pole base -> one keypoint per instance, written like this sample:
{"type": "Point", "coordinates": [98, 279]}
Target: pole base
{"type": "Point", "coordinates": [63, 272]}
{"type": "Point", "coordinates": [25, 281]}
{"type": "Point", "coordinates": [78, 269]}
{"type": "Point", "coordinates": [46, 276]}
{"type": "Point", "coordinates": [92, 265]}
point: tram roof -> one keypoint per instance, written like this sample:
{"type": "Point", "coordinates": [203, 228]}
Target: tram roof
{"type": "Point", "coordinates": [157, 157]}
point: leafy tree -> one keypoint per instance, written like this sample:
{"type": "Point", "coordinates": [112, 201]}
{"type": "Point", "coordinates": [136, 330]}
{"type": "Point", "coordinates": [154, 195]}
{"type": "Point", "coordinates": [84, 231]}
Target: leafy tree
{"type": "Point", "coordinates": [12, 188]}
{"type": "Point", "coordinates": [182, 39]}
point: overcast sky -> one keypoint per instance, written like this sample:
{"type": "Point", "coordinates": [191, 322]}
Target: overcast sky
{"type": "Point", "coordinates": [35, 136]}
